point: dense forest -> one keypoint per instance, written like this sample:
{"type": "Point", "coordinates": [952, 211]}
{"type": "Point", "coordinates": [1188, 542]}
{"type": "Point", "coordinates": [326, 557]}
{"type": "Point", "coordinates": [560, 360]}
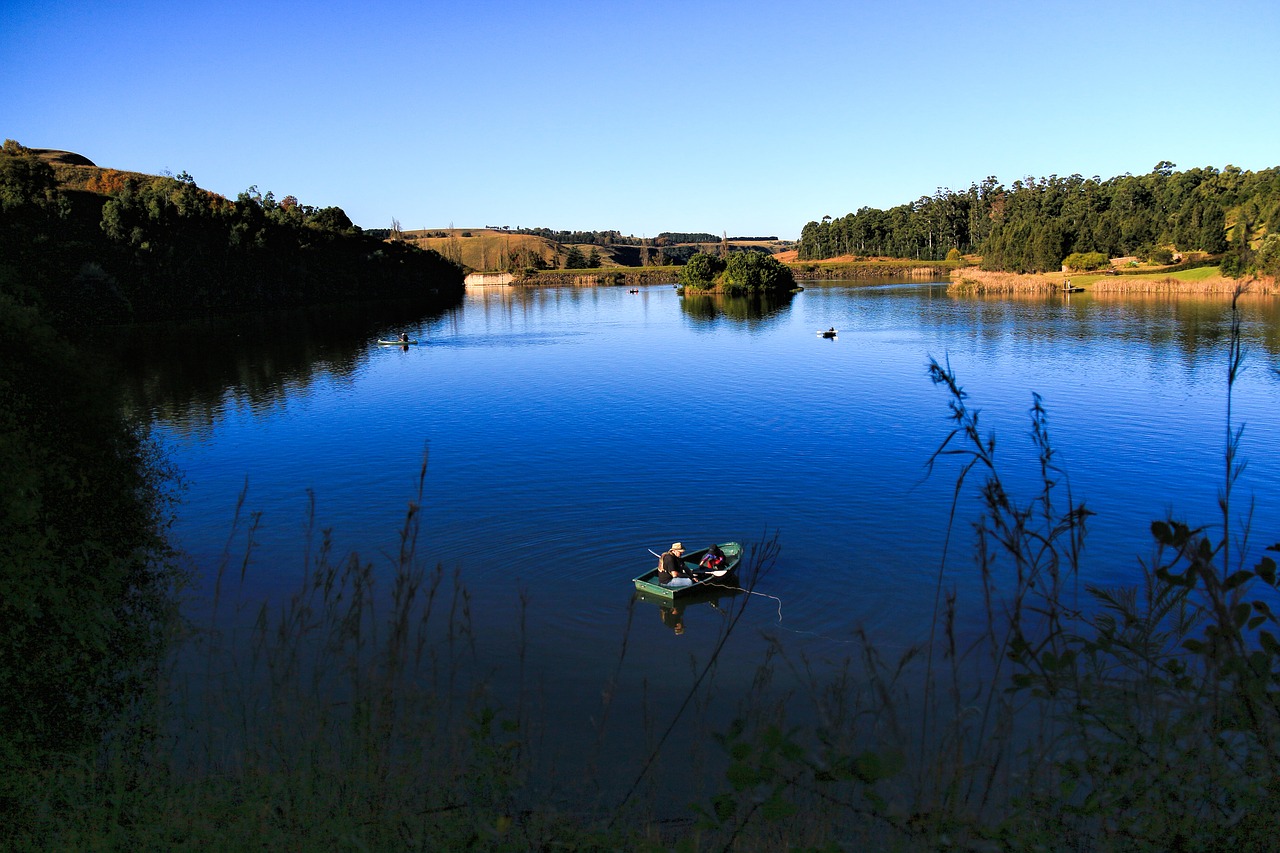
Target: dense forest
{"type": "Point", "coordinates": [1036, 223]}
{"type": "Point", "coordinates": [110, 246]}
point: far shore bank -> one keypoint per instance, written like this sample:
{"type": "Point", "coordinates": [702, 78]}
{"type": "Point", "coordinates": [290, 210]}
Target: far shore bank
{"type": "Point", "coordinates": [804, 271]}
{"type": "Point", "coordinates": [604, 276]}
{"type": "Point", "coordinates": [1203, 281]}
{"type": "Point", "coordinates": [962, 279]}
{"type": "Point", "coordinates": [880, 268]}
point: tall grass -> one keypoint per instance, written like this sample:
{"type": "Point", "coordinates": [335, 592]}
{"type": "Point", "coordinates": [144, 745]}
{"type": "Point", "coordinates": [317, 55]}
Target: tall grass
{"type": "Point", "coordinates": [1077, 717]}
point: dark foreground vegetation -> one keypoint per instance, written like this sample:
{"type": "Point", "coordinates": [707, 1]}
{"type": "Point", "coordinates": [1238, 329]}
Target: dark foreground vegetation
{"type": "Point", "coordinates": [1034, 224]}
{"type": "Point", "coordinates": [96, 245]}
{"type": "Point", "coordinates": [86, 575]}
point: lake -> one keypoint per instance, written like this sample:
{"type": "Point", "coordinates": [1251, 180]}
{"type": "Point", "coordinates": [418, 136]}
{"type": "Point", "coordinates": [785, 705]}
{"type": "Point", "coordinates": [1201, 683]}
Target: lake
{"type": "Point", "coordinates": [569, 432]}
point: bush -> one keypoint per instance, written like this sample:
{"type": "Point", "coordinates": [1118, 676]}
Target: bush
{"type": "Point", "coordinates": [756, 271]}
{"type": "Point", "coordinates": [1231, 266]}
{"type": "Point", "coordinates": [85, 575]}
{"type": "Point", "coordinates": [1268, 256]}
{"type": "Point", "coordinates": [1085, 261]}
{"type": "Point", "coordinates": [1161, 255]}
{"type": "Point", "coordinates": [700, 271]}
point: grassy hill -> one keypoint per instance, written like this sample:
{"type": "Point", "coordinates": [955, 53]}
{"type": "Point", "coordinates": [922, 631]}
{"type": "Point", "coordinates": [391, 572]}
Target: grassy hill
{"type": "Point", "coordinates": [96, 245]}
{"type": "Point", "coordinates": [487, 249]}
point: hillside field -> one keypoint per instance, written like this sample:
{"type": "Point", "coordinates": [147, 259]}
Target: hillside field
{"type": "Point", "coordinates": [487, 249]}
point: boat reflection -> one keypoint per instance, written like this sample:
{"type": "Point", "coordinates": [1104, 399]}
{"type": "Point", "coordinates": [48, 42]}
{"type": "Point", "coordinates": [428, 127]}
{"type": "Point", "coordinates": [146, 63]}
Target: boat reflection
{"type": "Point", "coordinates": [715, 608]}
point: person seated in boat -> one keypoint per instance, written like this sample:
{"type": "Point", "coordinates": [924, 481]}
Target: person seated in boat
{"type": "Point", "coordinates": [713, 560]}
{"type": "Point", "coordinates": [672, 571]}
{"type": "Point", "coordinates": [404, 337]}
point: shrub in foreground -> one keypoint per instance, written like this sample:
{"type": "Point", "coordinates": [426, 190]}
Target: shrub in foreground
{"type": "Point", "coordinates": [85, 578]}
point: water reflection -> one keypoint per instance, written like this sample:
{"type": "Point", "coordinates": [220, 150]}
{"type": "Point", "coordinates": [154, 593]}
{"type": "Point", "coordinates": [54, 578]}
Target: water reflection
{"type": "Point", "coordinates": [708, 614]}
{"type": "Point", "coordinates": [1193, 324]}
{"type": "Point", "coordinates": [1196, 326]}
{"type": "Point", "coordinates": [189, 375]}
{"type": "Point", "coordinates": [756, 310]}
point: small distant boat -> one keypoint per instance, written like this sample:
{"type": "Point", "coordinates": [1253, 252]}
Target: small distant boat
{"type": "Point", "coordinates": [1073, 290]}
{"type": "Point", "coordinates": [828, 333]}
{"type": "Point", "coordinates": [716, 582]}
{"type": "Point", "coordinates": [395, 343]}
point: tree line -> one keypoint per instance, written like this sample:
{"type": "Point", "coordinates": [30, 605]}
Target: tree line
{"type": "Point", "coordinates": [616, 238]}
{"type": "Point", "coordinates": [596, 238]}
{"type": "Point", "coordinates": [1032, 225]}
{"type": "Point", "coordinates": [138, 247]}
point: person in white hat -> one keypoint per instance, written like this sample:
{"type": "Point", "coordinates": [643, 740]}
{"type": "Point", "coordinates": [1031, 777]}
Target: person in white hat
{"type": "Point", "coordinates": [672, 571]}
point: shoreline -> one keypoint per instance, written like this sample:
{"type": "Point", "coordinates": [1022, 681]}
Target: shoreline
{"type": "Point", "coordinates": [604, 276]}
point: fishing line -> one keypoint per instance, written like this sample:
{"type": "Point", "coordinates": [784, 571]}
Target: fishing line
{"type": "Point", "coordinates": [750, 592]}
{"type": "Point", "coordinates": [797, 631]}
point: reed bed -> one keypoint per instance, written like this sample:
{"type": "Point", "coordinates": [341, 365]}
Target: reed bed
{"type": "Point", "coordinates": [1197, 282]}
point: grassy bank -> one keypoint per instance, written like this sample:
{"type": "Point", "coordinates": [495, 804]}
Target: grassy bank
{"type": "Point", "coordinates": [600, 277]}
{"type": "Point", "coordinates": [872, 268]}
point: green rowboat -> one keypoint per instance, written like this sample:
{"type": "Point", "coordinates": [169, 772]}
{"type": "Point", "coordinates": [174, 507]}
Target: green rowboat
{"type": "Point", "coordinates": [726, 577]}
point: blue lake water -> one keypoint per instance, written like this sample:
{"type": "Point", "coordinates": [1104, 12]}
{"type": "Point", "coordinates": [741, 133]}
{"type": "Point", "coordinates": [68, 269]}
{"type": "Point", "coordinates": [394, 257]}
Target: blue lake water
{"type": "Point", "coordinates": [570, 431]}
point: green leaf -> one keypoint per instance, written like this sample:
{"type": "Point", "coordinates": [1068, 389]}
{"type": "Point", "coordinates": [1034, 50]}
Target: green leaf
{"type": "Point", "coordinates": [868, 767]}
{"type": "Point", "coordinates": [777, 807]}
{"type": "Point", "coordinates": [725, 806]}
{"type": "Point", "coordinates": [1266, 569]}
{"type": "Point", "coordinates": [1236, 579]}
{"type": "Point", "coordinates": [742, 776]}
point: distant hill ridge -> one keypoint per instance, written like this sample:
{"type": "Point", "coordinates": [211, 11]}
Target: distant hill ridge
{"type": "Point", "coordinates": [494, 247]}
{"type": "Point", "coordinates": [54, 156]}
{"type": "Point", "coordinates": [85, 244]}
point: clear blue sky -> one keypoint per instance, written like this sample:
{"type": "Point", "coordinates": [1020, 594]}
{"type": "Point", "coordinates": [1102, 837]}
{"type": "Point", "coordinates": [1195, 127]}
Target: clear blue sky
{"type": "Point", "coordinates": [750, 118]}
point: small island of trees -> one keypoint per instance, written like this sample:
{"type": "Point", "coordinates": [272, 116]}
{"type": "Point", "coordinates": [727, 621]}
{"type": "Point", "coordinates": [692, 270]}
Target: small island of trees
{"type": "Point", "coordinates": [740, 273]}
